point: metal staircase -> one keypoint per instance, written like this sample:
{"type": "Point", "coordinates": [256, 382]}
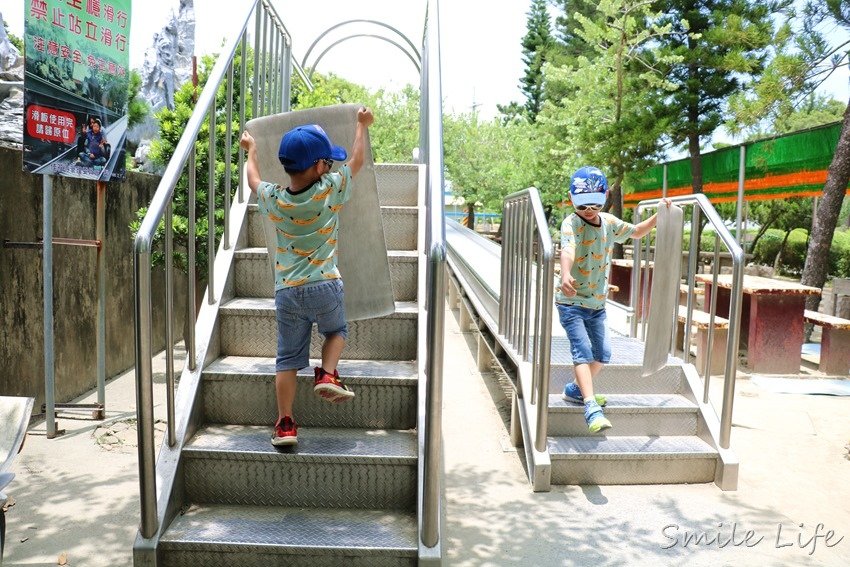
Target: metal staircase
{"type": "Point", "coordinates": [364, 485]}
{"type": "Point", "coordinates": [664, 430]}
{"type": "Point", "coordinates": [658, 436]}
{"type": "Point", "coordinates": [348, 493]}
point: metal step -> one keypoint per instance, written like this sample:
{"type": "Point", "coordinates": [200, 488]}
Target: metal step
{"type": "Point", "coordinates": [240, 390]}
{"type": "Point", "coordinates": [329, 468]}
{"type": "Point", "coordinates": [254, 536]}
{"type": "Point", "coordinates": [400, 227]}
{"type": "Point", "coordinates": [398, 184]}
{"type": "Point", "coordinates": [256, 236]}
{"type": "Point", "coordinates": [607, 460]}
{"type": "Point", "coordinates": [622, 375]}
{"type": "Point", "coordinates": [252, 276]}
{"type": "Point", "coordinates": [248, 328]}
{"type": "Point", "coordinates": [658, 414]}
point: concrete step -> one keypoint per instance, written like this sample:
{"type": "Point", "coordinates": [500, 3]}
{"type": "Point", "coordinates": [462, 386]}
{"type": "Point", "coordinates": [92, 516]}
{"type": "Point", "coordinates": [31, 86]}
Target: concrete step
{"type": "Point", "coordinates": [252, 276]}
{"type": "Point", "coordinates": [638, 459]}
{"type": "Point", "coordinates": [398, 184]}
{"type": "Point", "coordinates": [248, 328]}
{"type": "Point", "coordinates": [632, 414]}
{"type": "Point", "coordinates": [240, 390]}
{"type": "Point", "coordinates": [329, 468]}
{"type": "Point", "coordinates": [259, 536]}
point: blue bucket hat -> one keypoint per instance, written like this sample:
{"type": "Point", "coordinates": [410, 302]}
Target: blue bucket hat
{"type": "Point", "coordinates": [301, 147]}
{"type": "Point", "coordinates": [588, 186]}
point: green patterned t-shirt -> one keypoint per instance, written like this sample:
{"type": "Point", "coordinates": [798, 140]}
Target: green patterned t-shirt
{"type": "Point", "coordinates": [306, 224]}
{"type": "Point", "coordinates": [592, 247]}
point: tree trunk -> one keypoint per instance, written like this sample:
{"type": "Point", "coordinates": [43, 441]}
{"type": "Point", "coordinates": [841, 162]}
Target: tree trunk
{"type": "Point", "coordinates": [778, 259]}
{"type": "Point", "coordinates": [823, 229]}
{"type": "Point", "coordinates": [617, 209]}
{"type": "Point", "coordinates": [470, 217]}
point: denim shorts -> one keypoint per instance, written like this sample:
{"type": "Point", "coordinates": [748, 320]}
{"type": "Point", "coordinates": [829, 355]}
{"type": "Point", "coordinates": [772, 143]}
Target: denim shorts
{"type": "Point", "coordinates": [587, 330]}
{"type": "Point", "coordinates": [296, 309]}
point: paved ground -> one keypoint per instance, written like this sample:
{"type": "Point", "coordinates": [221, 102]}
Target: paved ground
{"type": "Point", "coordinates": [77, 494]}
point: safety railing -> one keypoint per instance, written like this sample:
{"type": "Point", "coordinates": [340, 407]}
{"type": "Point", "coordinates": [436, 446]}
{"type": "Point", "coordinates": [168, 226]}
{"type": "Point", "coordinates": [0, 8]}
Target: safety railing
{"type": "Point", "coordinates": [700, 206]}
{"type": "Point", "coordinates": [527, 282]}
{"type": "Point", "coordinates": [431, 148]}
{"type": "Point", "coordinates": [270, 88]}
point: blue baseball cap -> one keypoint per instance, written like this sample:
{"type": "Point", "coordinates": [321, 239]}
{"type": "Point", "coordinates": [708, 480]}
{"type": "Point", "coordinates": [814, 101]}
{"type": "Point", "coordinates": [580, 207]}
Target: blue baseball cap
{"type": "Point", "coordinates": [588, 186]}
{"type": "Point", "coordinates": [301, 147]}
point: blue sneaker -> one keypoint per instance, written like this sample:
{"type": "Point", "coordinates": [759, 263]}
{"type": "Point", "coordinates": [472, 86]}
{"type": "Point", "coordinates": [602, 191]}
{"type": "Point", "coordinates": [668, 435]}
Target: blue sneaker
{"type": "Point", "coordinates": [572, 393]}
{"type": "Point", "coordinates": [595, 418]}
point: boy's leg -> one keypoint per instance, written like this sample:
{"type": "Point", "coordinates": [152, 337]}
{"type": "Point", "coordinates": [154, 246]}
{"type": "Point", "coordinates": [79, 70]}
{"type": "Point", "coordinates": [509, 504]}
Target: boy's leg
{"type": "Point", "coordinates": [333, 326]}
{"type": "Point", "coordinates": [284, 389]}
{"type": "Point", "coordinates": [331, 351]}
{"type": "Point", "coordinates": [581, 349]}
{"type": "Point", "coordinates": [293, 352]}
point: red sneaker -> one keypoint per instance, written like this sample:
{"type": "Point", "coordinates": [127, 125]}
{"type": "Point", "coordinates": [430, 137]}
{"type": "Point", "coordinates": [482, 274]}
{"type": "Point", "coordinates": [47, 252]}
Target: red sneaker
{"type": "Point", "coordinates": [285, 432]}
{"type": "Point", "coordinates": [329, 386]}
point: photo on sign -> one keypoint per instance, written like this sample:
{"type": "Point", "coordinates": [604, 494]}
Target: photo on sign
{"type": "Point", "coordinates": [77, 58]}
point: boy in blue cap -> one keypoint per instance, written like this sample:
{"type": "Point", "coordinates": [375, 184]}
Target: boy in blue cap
{"type": "Point", "coordinates": [587, 240]}
{"type": "Point", "coordinates": [308, 288]}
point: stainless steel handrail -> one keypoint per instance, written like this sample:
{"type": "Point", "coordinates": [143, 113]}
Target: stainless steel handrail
{"type": "Point", "coordinates": [526, 272]}
{"type": "Point", "coordinates": [160, 207]}
{"type": "Point", "coordinates": [431, 143]}
{"type": "Point", "coordinates": [701, 205]}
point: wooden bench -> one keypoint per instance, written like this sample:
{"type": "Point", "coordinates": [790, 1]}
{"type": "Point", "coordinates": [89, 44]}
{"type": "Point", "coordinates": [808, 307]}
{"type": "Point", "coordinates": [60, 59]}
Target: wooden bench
{"type": "Point", "coordinates": [834, 342]}
{"type": "Point", "coordinates": [702, 320]}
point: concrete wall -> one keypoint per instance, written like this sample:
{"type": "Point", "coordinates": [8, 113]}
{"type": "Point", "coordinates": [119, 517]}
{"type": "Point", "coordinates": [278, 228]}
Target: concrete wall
{"type": "Point", "coordinates": [74, 281]}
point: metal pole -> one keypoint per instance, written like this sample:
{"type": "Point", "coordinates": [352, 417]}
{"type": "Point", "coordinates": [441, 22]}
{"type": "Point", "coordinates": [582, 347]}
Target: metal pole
{"type": "Point", "coordinates": [144, 395]}
{"type": "Point", "coordinates": [286, 75]}
{"type": "Point", "coordinates": [255, 96]}
{"type": "Point", "coordinates": [664, 181]}
{"type": "Point", "coordinates": [228, 156]}
{"type": "Point", "coordinates": [742, 168]}
{"type": "Point", "coordinates": [169, 324]}
{"type": "Point", "coordinates": [211, 211]}
{"type": "Point", "coordinates": [101, 297]}
{"type": "Point", "coordinates": [190, 253]}
{"type": "Point", "coordinates": [243, 89]}
{"type": "Point", "coordinates": [47, 267]}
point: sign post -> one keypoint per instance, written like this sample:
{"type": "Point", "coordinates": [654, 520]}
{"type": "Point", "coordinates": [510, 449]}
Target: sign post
{"type": "Point", "coordinates": [75, 122]}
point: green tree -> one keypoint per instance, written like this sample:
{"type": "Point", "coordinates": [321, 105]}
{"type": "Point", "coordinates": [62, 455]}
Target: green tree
{"type": "Point", "coordinates": [536, 46]}
{"type": "Point", "coordinates": [487, 160]}
{"type": "Point", "coordinates": [785, 215]}
{"type": "Point", "coordinates": [794, 72]}
{"type": "Point", "coordinates": [567, 25]}
{"type": "Point", "coordinates": [721, 44]}
{"type": "Point", "coordinates": [137, 107]}
{"type": "Point", "coordinates": [395, 132]}
{"type": "Point", "coordinates": [172, 124]}
{"type": "Point", "coordinates": [607, 116]}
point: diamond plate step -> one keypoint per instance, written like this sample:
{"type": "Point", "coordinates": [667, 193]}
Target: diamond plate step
{"type": "Point", "coordinates": [256, 236]}
{"type": "Point", "coordinates": [240, 390]}
{"type": "Point", "coordinates": [631, 460]}
{"type": "Point", "coordinates": [659, 414]}
{"type": "Point", "coordinates": [398, 184]}
{"type": "Point", "coordinates": [329, 468]}
{"type": "Point", "coordinates": [400, 227]}
{"type": "Point", "coordinates": [249, 536]}
{"type": "Point", "coordinates": [252, 276]}
{"type": "Point", "coordinates": [622, 375]}
{"type": "Point", "coordinates": [248, 328]}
